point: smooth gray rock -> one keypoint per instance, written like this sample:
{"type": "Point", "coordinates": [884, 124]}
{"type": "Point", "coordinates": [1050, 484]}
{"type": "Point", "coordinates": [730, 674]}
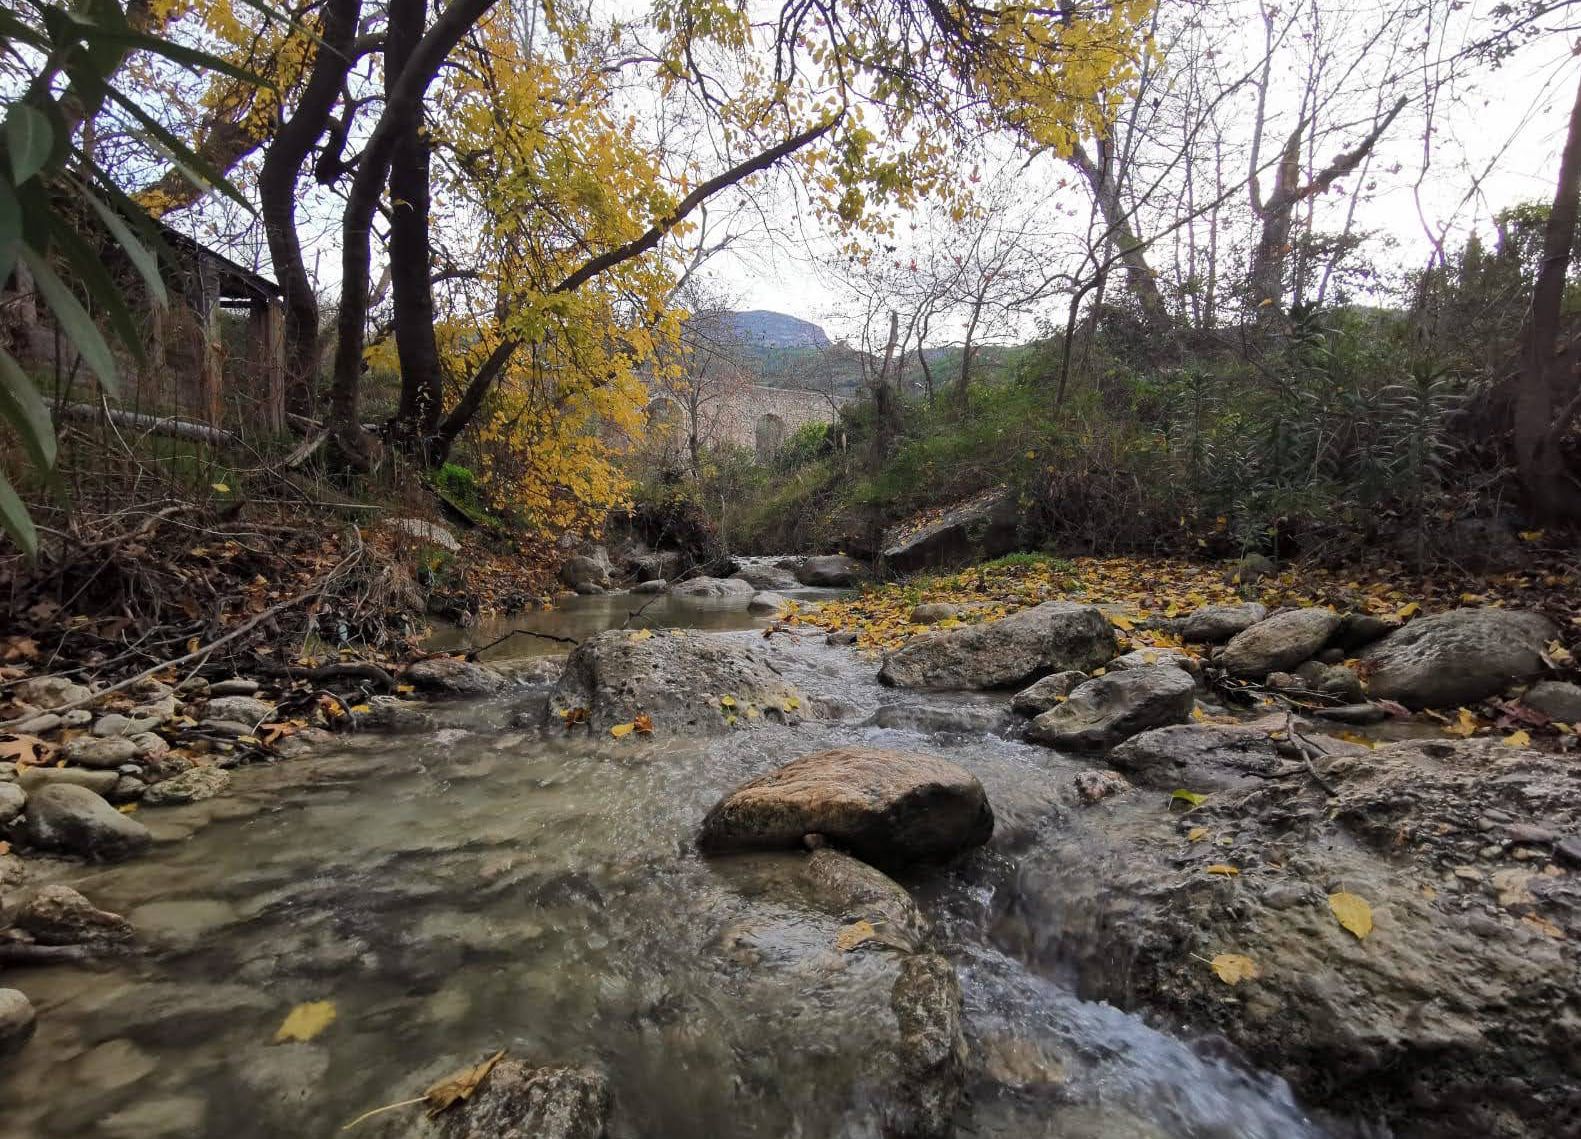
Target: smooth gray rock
{"type": "Point", "coordinates": [1214, 757]}
{"type": "Point", "coordinates": [234, 686]}
{"type": "Point", "coordinates": [1052, 637]}
{"type": "Point", "coordinates": [885, 807]}
{"type": "Point", "coordinates": [653, 585]}
{"type": "Point", "coordinates": [13, 800]}
{"type": "Point", "coordinates": [452, 676]}
{"type": "Point", "coordinates": [1044, 694]}
{"type": "Point", "coordinates": [51, 692]}
{"type": "Point", "coordinates": [17, 1021]}
{"type": "Point", "coordinates": [39, 725]}
{"type": "Point", "coordinates": [767, 602]}
{"type": "Point", "coordinates": [1107, 709]}
{"type": "Point", "coordinates": [586, 575]}
{"type": "Point", "coordinates": [831, 570]}
{"type": "Point", "coordinates": [74, 820]}
{"type": "Point", "coordinates": [100, 752]}
{"type": "Point", "coordinates": [100, 782]}
{"type": "Point", "coordinates": [732, 589]}
{"type": "Point", "coordinates": [763, 576]}
{"type": "Point", "coordinates": [1147, 658]}
{"type": "Point", "coordinates": [1458, 657]}
{"type": "Point", "coordinates": [1279, 643]}
{"type": "Point", "coordinates": [1215, 624]}
{"type": "Point", "coordinates": [1556, 699]}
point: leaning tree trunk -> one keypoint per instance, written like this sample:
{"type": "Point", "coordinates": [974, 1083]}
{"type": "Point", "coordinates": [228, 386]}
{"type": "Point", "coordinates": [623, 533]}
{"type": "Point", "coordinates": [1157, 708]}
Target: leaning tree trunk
{"type": "Point", "coordinates": [1103, 180]}
{"type": "Point", "coordinates": [411, 255]}
{"type": "Point", "coordinates": [1547, 399]}
{"type": "Point", "coordinates": [277, 180]}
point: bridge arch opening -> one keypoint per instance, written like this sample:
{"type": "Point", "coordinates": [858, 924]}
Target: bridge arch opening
{"type": "Point", "coordinates": [770, 436]}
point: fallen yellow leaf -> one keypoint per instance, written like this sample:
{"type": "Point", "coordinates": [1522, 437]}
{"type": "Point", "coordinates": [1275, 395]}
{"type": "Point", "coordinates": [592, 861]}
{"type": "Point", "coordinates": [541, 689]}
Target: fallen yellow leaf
{"type": "Point", "coordinates": [452, 1090]}
{"type": "Point", "coordinates": [1406, 612]}
{"type": "Point", "coordinates": [727, 701]}
{"type": "Point", "coordinates": [1465, 726]}
{"type": "Point", "coordinates": [306, 1021]}
{"type": "Point", "coordinates": [1233, 968]}
{"type": "Point", "coordinates": [1353, 913]}
{"type": "Point", "coordinates": [853, 935]}
{"type": "Point", "coordinates": [1196, 834]}
{"type": "Point", "coordinates": [1222, 869]}
{"type": "Point", "coordinates": [1521, 738]}
{"type": "Point", "coordinates": [620, 730]}
{"type": "Point", "coordinates": [644, 724]}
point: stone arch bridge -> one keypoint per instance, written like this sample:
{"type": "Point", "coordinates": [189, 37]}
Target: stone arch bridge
{"type": "Point", "coordinates": [756, 416]}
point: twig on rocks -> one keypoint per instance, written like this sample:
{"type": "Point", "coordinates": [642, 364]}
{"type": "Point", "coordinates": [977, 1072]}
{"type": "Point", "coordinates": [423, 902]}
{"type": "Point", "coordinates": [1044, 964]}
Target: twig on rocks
{"type": "Point", "coordinates": [1304, 747]}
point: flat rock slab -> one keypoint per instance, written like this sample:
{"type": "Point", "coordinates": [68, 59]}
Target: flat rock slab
{"type": "Point", "coordinates": [1279, 643]}
{"type": "Point", "coordinates": [1108, 709]}
{"type": "Point", "coordinates": [885, 807]}
{"type": "Point", "coordinates": [452, 676]}
{"type": "Point", "coordinates": [1052, 637]}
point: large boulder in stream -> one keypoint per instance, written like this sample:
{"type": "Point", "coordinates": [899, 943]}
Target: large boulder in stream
{"type": "Point", "coordinates": [1457, 657]}
{"type": "Point", "coordinates": [1400, 937]}
{"type": "Point", "coordinates": [688, 683]}
{"type": "Point", "coordinates": [1107, 709]}
{"type": "Point", "coordinates": [1052, 637]}
{"type": "Point", "coordinates": [74, 820]}
{"type": "Point", "coordinates": [726, 589]}
{"type": "Point", "coordinates": [767, 576]}
{"type": "Point", "coordinates": [984, 527]}
{"type": "Point", "coordinates": [885, 807]}
{"type": "Point", "coordinates": [834, 571]}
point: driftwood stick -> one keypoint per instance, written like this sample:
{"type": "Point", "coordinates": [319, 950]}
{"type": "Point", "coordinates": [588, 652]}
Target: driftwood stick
{"type": "Point", "coordinates": [171, 425]}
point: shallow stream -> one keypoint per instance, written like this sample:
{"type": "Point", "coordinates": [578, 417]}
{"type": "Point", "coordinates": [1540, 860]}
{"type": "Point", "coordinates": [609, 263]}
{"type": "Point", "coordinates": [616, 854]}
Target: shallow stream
{"type": "Point", "coordinates": [485, 886]}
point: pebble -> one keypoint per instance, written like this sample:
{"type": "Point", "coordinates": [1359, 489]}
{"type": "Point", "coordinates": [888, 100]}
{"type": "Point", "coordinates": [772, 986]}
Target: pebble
{"type": "Point", "coordinates": [235, 686]}
{"type": "Point", "coordinates": [1533, 834]}
{"type": "Point", "coordinates": [116, 724]}
{"type": "Point", "coordinates": [239, 709]}
{"type": "Point", "coordinates": [13, 800]}
{"type": "Point", "coordinates": [150, 745]}
{"type": "Point", "coordinates": [226, 728]}
{"type": "Point", "coordinates": [76, 718]}
{"type": "Point", "coordinates": [844, 637]}
{"type": "Point", "coordinates": [35, 777]}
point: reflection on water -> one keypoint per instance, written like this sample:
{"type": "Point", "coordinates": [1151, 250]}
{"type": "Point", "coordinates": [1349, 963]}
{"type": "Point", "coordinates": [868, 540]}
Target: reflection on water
{"type": "Point", "coordinates": [580, 617]}
{"type": "Point", "coordinates": [479, 887]}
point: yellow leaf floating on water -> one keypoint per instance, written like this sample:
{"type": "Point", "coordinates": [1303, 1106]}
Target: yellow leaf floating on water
{"type": "Point", "coordinates": [1521, 738]}
{"type": "Point", "coordinates": [452, 1090]}
{"type": "Point", "coordinates": [1233, 968]}
{"type": "Point", "coordinates": [1196, 834]}
{"type": "Point", "coordinates": [1465, 725]}
{"type": "Point", "coordinates": [855, 934]}
{"type": "Point", "coordinates": [306, 1021]}
{"type": "Point", "coordinates": [1192, 798]}
{"type": "Point", "coordinates": [620, 731]}
{"type": "Point", "coordinates": [1353, 913]}
{"type": "Point", "coordinates": [1222, 869]}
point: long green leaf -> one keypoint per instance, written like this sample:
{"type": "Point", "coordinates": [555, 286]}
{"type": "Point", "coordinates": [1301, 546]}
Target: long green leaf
{"type": "Point", "coordinates": [87, 263]}
{"type": "Point", "coordinates": [29, 139]}
{"type": "Point", "coordinates": [10, 228]}
{"type": "Point", "coordinates": [194, 168]}
{"type": "Point", "coordinates": [25, 410]}
{"type": "Point", "coordinates": [139, 254]}
{"type": "Point", "coordinates": [177, 53]}
{"type": "Point", "coordinates": [73, 319]}
{"type": "Point", "coordinates": [14, 519]}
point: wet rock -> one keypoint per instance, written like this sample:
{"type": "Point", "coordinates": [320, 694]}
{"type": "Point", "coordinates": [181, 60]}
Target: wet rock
{"type": "Point", "coordinates": [74, 820]}
{"type": "Point", "coordinates": [1107, 709]}
{"type": "Point", "coordinates": [932, 719]}
{"type": "Point", "coordinates": [1209, 757]}
{"type": "Point", "coordinates": [841, 637]}
{"type": "Point", "coordinates": [300, 743]}
{"type": "Point", "coordinates": [234, 686]}
{"type": "Point", "coordinates": [13, 800]}
{"type": "Point", "coordinates": [767, 602]}
{"type": "Point", "coordinates": [835, 571]}
{"type": "Point", "coordinates": [1147, 658]}
{"type": "Point", "coordinates": [99, 782]}
{"type": "Point", "coordinates": [108, 752]}
{"type": "Point", "coordinates": [162, 1117]}
{"type": "Point", "coordinates": [13, 871]}
{"type": "Point", "coordinates": [1458, 657]}
{"type": "Point", "coordinates": [1556, 699]}
{"type": "Point", "coordinates": [1279, 643]}
{"type": "Point", "coordinates": [763, 576]}
{"type": "Point", "coordinates": [855, 891]}
{"type": "Point", "coordinates": [150, 746]}
{"type": "Point", "coordinates": [1044, 694]}
{"type": "Point", "coordinates": [17, 1021]}
{"type": "Point", "coordinates": [39, 725]}
{"type": "Point", "coordinates": [585, 575]}
{"type": "Point", "coordinates": [394, 715]}
{"type": "Point", "coordinates": [58, 915]}
{"type": "Point", "coordinates": [232, 729]}
{"type": "Point", "coordinates": [658, 566]}
{"type": "Point", "coordinates": [885, 807]}
{"type": "Point", "coordinates": [51, 692]}
{"type": "Point", "coordinates": [1096, 786]}
{"type": "Point", "coordinates": [247, 710]}
{"type": "Point", "coordinates": [1332, 680]}
{"type": "Point", "coordinates": [679, 680]}
{"type": "Point", "coordinates": [1353, 714]}
{"type": "Point", "coordinates": [652, 585]}
{"type": "Point", "coordinates": [1215, 624]}
{"type": "Point", "coordinates": [721, 588]}
{"type": "Point", "coordinates": [127, 789]}
{"type": "Point", "coordinates": [452, 676]}
{"type": "Point", "coordinates": [176, 1013]}
{"type": "Point", "coordinates": [191, 786]}
{"type": "Point", "coordinates": [931, 1050]}
{"type": "Point", "coordinates": [1051, 637]}
{"type": "Point", "coordinates": [522, 1102]}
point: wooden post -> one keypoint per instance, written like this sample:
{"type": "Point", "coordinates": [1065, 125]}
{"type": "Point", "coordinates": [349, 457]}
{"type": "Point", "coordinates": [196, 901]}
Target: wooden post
{"type": "Point", "coordinates": [209, 371]}
{"type": "Point", "coordinates": [268, 337]}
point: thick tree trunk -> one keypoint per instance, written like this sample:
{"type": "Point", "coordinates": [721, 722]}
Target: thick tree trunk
{"type": "Point", "coordinates": [1548, 399]}
{"type": "Point", "coordinates": [402, 111]}
{"type": "Point", "coordinates": [963, 381]}
{"type": "Point", "coordinates": [411, 255]}
{"type": "Point", "coordinates": [1104, 182]}
{"type": "Point", "coordinates": [885, 406]}
{"type": "Point", "coordinates": [277, 181]}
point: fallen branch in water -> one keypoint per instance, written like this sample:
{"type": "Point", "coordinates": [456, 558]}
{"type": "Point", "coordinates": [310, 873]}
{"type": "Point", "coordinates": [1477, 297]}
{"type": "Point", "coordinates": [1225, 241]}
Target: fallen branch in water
{"type": "Point", "coordinates": [472, 653]}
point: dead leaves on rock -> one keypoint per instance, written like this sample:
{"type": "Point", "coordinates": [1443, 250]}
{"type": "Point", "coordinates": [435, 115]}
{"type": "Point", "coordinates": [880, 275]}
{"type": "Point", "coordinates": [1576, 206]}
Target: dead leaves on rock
{"type": "Point", "coordinates": [459, 1087]}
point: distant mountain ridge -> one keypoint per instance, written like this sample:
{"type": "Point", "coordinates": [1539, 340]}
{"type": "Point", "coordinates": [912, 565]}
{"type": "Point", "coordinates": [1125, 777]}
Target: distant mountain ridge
{"type": "Point", "coordinates": [764, 328]}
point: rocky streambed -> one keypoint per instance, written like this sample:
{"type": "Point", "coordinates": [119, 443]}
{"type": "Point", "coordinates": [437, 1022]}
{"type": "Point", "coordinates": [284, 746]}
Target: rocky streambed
{"type": "Point", "coordinates": [521, 871]}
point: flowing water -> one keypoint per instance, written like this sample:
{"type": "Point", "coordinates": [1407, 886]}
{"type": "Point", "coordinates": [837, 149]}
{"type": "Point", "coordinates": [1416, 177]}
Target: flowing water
{"type": "Point", "coordinates": [485, 886]}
